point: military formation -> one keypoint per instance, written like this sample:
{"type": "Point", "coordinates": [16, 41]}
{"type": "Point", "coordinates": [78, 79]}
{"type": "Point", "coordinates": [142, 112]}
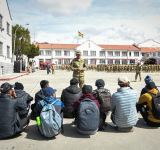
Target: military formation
{"type": "Point", "coordinates": [117, 68]}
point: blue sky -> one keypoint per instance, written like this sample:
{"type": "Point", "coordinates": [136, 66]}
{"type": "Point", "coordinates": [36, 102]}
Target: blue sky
{"type": "Point", "coordinates": [102, 21]}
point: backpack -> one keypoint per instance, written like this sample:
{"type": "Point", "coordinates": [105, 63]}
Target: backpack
{"type": "Point", "coordinates": [88, 115]}
{"type": "Point", "coordinates": [51, 121]}
{"type": "Point", "coordinates": [104, 99]}
{"type": "Point", "coordinates": [155, 105]}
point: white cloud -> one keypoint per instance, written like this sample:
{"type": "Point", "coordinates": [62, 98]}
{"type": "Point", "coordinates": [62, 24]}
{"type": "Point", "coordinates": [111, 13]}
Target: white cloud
{"type": "Point", "coordinates": [63, 7]}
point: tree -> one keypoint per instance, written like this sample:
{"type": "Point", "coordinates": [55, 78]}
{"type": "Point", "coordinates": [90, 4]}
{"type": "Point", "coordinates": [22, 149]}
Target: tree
{"type": "Point", "coordinates": [22, 40]}
{"type": "Point", "coordinates": [31, 51]}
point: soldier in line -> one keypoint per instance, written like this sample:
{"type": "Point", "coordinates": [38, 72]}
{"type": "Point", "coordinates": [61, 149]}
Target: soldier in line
{"type": "Point", "coordinates": [53, 69]}
{"type": "Point", "coordinates": [138, 71]}
{"type": "Point", "coordinates": [78, 67]}
{"type": "Point", "coordinates": [28, 68]}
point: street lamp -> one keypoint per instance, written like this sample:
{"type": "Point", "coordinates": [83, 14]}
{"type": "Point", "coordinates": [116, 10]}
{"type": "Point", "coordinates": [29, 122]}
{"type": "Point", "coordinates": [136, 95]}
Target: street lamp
{"type": "Point", "coordinates": [15, 40]}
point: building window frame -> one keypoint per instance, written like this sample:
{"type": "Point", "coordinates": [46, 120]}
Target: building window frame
{"type": "Point", "coordinates": [102, 53]}
{"type": "Point", "coordinates": [154, 54]}
{"type": "Point", "coordinates": [110, 53]}
{"type": "Point", "coordinates": [42, 52]}
{"type": "Point", "coordinates": [158, 53]}
{"type": "Point", "coordinates": [92, 62]}
{"type": "Point", "coordinates": [48, 60]}
{"type": "Point", "coordinates": [85, 53]}
{"type": "Point", "coordinates": [117, 53]}
{"type": "Point", "coordinates": [8, 51]}
{"type": "Point", "coordinates": [86, 61]}
{"type": "Point", "coordinates": [66, 53]}
{"type": "Point", "coordinates": [124, 53]}
{"type": "Point", "coordinates": [93, 53]}
{"type": "Point", "coordinates": [136, 54]}
{"type": "Point", "coordinates": [66, 61]}
{"type": "Point", "coordinates": [8, 28]}
{"type": "Point", "coordinates": [102, 61]}
{"type": "Point", "coordinates": [48, 52]}
{"type": "Point", "coordinates": [57, 53]}
{"type": "Point", "coordinates": [1, 48]}
{"type": "Point", "coordinates": [59, 61]}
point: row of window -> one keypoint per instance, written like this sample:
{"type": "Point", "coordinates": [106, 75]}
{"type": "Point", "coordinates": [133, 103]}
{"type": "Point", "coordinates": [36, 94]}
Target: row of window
{"type": "Point", "coordinates": [8, 25]}
{"type": "Point", "coordinates": [1, 50]}
{"type": "Point", "coordinates": [85, 53]}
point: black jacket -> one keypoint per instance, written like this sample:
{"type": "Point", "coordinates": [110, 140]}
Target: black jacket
{"type": "Point", "coordinates": [39, 96]}
{"type": "Point", "coordinates": [68, 97]}
{"type": "Point", "coordinates": [25, 99]}
{"type": "Point", "coordinates": [10, 122]}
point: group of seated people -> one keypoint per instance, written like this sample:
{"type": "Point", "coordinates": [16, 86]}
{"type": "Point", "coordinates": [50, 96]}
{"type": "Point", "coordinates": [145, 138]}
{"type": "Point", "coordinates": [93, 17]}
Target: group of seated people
{"type": "Point", "coordinates": [89, 107]}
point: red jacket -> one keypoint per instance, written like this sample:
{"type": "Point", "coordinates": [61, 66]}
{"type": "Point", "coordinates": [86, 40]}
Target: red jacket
{"type": "Point", "coordinates": [76, 104]}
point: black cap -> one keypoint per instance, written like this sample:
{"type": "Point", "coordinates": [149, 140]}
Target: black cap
{"type": "Point", "coordinates": [18, 86]}
{"type": "Point", "coordinates": [6, 87]}
{"type": "Point", "coordinates": [73, 81]}
{"type": "Point", "coordinates": [87, 89]}
{"type": "Point", "coordinates": [100, 83]}
{"type": "Point", "coordinates": [150, 85]}
{"type": "Point", "coordinates": [43, 83]}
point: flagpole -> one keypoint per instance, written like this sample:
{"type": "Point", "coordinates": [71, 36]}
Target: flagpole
{"type": "Point", "coordinates": [77, 39]}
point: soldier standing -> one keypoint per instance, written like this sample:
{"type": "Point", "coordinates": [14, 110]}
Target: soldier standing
{"type": "Point", "coordinates": [48, 68]}
{"type": "Point", "coordinates": [78, 67]}
{"type": "Point", "coordinates": [53, 69]}
{"type": "Point", "coordinates": [138, 71]}
{"type": "Point", "coordinates": [28, 68]}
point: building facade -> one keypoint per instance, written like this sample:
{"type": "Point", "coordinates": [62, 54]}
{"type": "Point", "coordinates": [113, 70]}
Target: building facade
{"type": "Point", "coordinates": [92, 53]}
{"type": "Point", "coordinates": [6, 66]}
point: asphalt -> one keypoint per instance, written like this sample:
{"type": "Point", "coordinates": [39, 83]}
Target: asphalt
{"type": "Point", "coordinates": [143, 137]}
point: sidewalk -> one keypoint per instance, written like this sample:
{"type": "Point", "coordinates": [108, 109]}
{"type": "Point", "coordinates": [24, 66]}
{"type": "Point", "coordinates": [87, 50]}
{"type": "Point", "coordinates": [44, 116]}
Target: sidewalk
{"type": "Point", "coordinates": [12, 76]}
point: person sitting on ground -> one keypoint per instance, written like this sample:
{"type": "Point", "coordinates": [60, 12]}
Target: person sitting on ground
{"type": "Point", "coordinates": [69, 96]}
{"type": "Point", "coordinates": [145, 105]}
{"type": "Point", "coordinates": [147, 80]}
{"type": "Point", "coordinates": [24, 98]}
{"type": "Point", "coordinates": [90, 117]}
{"type": "Point", "coordinates": [10, 122]}
{"type": "Point", "coordinates": [38, 97]}
{"type": "Point", "coordinates": [50, 98]}
{"type": "Point", "coordinates": [123, 106]}
{"type": "Point", "coordinates": [103, 96]}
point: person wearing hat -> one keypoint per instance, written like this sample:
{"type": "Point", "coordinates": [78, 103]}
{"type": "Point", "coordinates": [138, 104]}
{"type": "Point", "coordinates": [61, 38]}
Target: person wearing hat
{"type": "Point", "coordinates": [28, 68]}
{"type": "Point", "coordinates": [123, 106]}
{"type": "Point", "coordinates": [78, 67]}
{"type": "Point", "coordinates": [138, 71]}
{"type": "Point", "coordinates": [103, 96]}
{"type": "Point", "coordinates": [25, 99]}
{"type": "Point", "coordinates": [50, 98]}
{"type": "Point", "coordinates": [10, 122]}
{"type": "Point", "coordinates": [146, 110]}
{"type": "Point", "coordinates": [69, 96]}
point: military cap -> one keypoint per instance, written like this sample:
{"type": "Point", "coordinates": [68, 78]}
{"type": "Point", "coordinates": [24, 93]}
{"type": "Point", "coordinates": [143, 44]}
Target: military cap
{"type": "Point", "coordinates": [78, 52]}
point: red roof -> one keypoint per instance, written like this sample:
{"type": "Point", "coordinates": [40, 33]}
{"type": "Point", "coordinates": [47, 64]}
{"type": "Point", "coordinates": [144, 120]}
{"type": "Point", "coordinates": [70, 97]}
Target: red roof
{"type": "Point", "coordinates": [149, 49]}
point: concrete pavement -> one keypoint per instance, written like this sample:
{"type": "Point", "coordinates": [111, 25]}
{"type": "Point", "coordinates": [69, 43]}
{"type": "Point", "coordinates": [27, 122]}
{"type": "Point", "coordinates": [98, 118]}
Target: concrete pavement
{"type": "Point", "coordinates": [143, 137]}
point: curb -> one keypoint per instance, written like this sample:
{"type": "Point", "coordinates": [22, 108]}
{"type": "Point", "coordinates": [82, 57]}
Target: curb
{"type": "Point", "coordinates": [8, 79]}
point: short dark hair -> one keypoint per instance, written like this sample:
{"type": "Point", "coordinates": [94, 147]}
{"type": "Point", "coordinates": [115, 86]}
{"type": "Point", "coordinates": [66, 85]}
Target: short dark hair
{"type": "Point", "coordinates": [43, 83]}
{"type": "Point", "coordinates": [87, 89]}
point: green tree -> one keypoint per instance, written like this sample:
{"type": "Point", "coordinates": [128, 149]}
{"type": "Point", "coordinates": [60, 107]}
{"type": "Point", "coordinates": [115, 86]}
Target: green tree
{"type": "Point", "coordinates": [31, 51]}
{"type": "Point", "coordinates": [22, 40]}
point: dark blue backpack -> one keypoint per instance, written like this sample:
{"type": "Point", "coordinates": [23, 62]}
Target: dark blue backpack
{"type": "Point", "coordinates": [88, 115]}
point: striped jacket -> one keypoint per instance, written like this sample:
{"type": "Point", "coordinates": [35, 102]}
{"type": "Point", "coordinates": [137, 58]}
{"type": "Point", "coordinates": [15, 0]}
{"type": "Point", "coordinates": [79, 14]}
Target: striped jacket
{"type": "Point", "coordinates": [123, 106]}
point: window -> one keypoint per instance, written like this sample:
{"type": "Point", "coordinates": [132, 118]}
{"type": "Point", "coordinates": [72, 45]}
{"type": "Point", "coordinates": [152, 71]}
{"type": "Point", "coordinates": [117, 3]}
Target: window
{"type": "Point", "coordinates": [110, 61]}
{"type": "Point", "coordinates": [88, 45]}
{"type": "Point", "coordinates": [66, 61]}
{"type": "Point", "coordinates": [58, 53]}
{"type": "Point", "coordinates": [147, 55]}
{"type": "Point", "coordinates": [48, 60]}
{"type": "Point", "coordinates": [8, 52]}
{"type": "Point", "coordinates": [154, 54]}
{"type": "Point", "coordinates": [92, 62]}
{"type": "Point", "coordinates": [59, 61]}
{"type": "Point", "coordinates": [130, 54]}
{"type": "Point", "coordinates": [41, 60]}
{"type": "Point", "coordinates": [124, 53]}
{"type": "Point", "coordinates": [66, 53]}
{"type": "Point", "coordinates": [102, 53]}
{"type": "Point", "coordinates": [143, 54]}
{"type": "Point", "coordinates": [8, 28]}
{"type": "Point", "coordinates": [132, 61]}
{"type": "Point", "coordinates": [86, 62]}
{"type": "Point", "coordinates": [117, 53]}
{"type": "Point", "coordinates": [158, 53]}
{"type": "Point", "coordinates": [102, 61]}
{"type": "Point", "coordinates": [93, 53]}
{"type": "Point", "coordinates": [124, 62]}
{"type": "Point", "coordinates": [1, 48]}
{"type": "Point", "coordinates": [42, 52]}
{"type": "Point", "coordinates": [85, 53]}
{"type": "Point", "coordinates": [1, 21]}
{"type": "Point", "coordinates": [136, 53]}
{"type": "Point", "coordinates": [48, 52]}
{"type": "Point", "coordinates": [110, 53]}
{"type": "Point", "coordinates": [117, 61]}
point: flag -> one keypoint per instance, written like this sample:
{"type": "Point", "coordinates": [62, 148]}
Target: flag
{"type": "Point", "coordinates": [80, 34]}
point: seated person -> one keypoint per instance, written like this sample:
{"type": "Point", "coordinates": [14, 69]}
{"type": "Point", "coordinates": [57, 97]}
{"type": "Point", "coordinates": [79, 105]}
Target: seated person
{"type": "Point", "coordinates": [10, 122]}
{"type": "Point", "coordinates": [123, 106]}
{"type": "Point", "coordinates": [87, 114]}
{"type": "Point", "coordinates": [50, 98]}
{"type": "Point", "coordinates": [69, 96]}
{"type": "Point", "coordinates": [147, 80]}
{"type": "Point", "coordinates": [145, 105]}
{"type": "Point", "coordinates": [104, 98]}
{"type": "Point", "coordinates": [25, 99]}
{"type": "Point", "coordinates": [38, 97]}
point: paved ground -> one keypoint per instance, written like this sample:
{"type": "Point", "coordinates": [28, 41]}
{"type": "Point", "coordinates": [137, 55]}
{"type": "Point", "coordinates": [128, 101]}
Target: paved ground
{"type": "Point", "coordinates": [142, 138]}
{"type": "Point", "coordinates": [11, 76]}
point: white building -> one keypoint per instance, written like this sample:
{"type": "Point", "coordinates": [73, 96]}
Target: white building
{"type": "Point", "coordinates": [5, 38]}
{"type": "Point", "coordinates": [91, 53]}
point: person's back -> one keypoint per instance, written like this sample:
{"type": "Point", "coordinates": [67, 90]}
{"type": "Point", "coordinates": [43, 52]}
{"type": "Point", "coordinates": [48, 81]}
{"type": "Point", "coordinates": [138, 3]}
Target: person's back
{"type": "Point", "coordinates": [69, 96]}
{"type": "Point", "coordinates": [10, 122]}
{"type": "Point", "coordinates": [123, 105]}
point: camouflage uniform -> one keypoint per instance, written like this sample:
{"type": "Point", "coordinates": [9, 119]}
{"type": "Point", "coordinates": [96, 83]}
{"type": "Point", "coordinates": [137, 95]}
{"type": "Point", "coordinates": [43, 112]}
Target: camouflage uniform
{"type": "Point", "coordinates": [75, 64]}
{"type": "Point", "coordinates": [53, 69]}
{"type": "Point", "coordinates": [28, 69]}
{"type": "Point", "coordinates": [138, 72]}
